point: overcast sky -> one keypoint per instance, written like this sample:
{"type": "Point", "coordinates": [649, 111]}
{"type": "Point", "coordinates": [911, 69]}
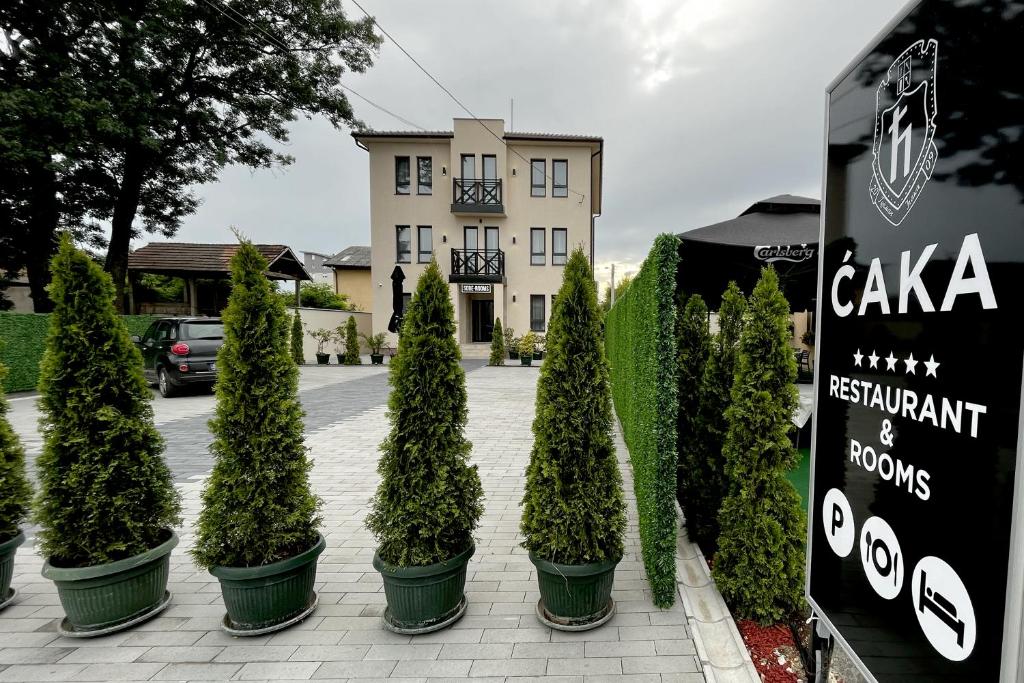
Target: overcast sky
{"type": "Point", "coordinates": [705, 106]}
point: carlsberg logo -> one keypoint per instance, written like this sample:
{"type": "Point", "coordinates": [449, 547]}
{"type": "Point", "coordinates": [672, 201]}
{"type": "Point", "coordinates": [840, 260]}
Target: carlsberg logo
{"type": "Point", "coordinates": [785, 252]}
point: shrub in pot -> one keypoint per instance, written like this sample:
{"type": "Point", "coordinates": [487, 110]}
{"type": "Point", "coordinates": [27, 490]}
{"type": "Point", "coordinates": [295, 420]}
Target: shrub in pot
{"type": "Point", "coordinates": [106, 503]}
{"type": "Point", "coordinates": [15, 494]}
{"type": "Point", "coordinates": [321, 336]}
{"type": "Point", "coordinates": [375, 342]}
{"type": "Point", "coordinates": [574, 514]}
{"type": "Point", "coordinates": [257, 531]}
{"type": "Point", "coordinates": [510, 343]}
{"type": "Point", "coordinates": [538, 346]}
{"type": "Point", "coordinates": [296, 339]}
{"type": "Point", "coordinates": [429, 499]}
{"type": "Point", "coordinates": [526, 344]}
{"type": "Point", "coordinates": [497, 345]}
{"type": "Point", "coordinates": [351, 343]}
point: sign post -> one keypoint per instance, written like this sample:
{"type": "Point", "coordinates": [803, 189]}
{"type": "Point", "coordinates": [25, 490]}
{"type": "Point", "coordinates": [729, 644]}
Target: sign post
{"type": "Point", "coordinates": [914, 536]}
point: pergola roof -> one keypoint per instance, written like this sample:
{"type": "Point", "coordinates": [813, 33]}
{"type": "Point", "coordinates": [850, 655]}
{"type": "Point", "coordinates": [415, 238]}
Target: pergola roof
{"type": "Point", "coordinates": [190, 260]}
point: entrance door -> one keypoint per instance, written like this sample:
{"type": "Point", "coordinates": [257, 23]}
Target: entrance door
{"type": "Point", "coordinates": [483, 319]}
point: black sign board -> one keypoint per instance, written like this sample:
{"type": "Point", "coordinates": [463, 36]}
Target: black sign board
{"type": "Point", "coordinates": [920, 349]}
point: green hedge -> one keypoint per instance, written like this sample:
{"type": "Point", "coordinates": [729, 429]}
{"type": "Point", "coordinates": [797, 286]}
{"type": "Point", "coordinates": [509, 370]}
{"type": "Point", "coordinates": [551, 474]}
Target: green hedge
{"type": "Point", "coordinates": [641, 348]}
{"type": "Point", "coordinates": [23, 337]}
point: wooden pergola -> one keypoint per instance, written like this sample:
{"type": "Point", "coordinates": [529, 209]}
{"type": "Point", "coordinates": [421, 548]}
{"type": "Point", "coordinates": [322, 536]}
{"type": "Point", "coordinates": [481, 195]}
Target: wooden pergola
{"type": "Point", "coordinates": [191, 261]}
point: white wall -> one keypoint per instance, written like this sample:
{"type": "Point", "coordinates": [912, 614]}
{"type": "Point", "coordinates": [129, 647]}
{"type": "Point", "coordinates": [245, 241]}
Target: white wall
{"type": "Point", "coordinates": [313, 318]}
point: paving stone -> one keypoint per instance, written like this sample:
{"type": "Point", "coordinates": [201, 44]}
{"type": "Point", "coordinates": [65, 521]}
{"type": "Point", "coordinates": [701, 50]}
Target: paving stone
{"type": "Point", "coordinates": [277, 671]}
{"type": "Point", "coordinates": [28, 673]}
{"type": "Point", "coordinates": [124, 671]}
{"type": "Point", "coordinates": [32, 655]}
{"type": "Point", "coordinates": [662, 664]}
{"type": "Point", "coordinates": [180, 653]}
{"type": "Point", "coordinates": [584, 666]}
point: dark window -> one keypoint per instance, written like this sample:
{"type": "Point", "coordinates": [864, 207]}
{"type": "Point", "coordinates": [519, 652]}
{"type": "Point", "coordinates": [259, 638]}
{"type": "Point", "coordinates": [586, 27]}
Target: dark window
{"type": "Point", "coordinates": [491, 238]}
{"type": "Point", "coordinates": [490, 166]}
{"type": "Point", "coordinates": [537, 312]}
{"type": "Point", "coordinates": [469, 167]}
{"type": "Point", "coordinates": [406, 300]}
{"type": "Point", "coordinates": [538, 171]}
{"type": "Point", "coordinates": [401, 175]}
{"type": "Point", "coordinates": [537, 240]}
{"type": "Point", "coordinates": [403, 241]}
{"type": "Point", "coordinates": [559, 246]}
{"type": "Point", "coordinates": [469, 238]}
{"type": "Point", "coordinates": [425, 243]}
{"type": "Point", "coordinates": [202, 331]}
{"type": "Point", "coordinates": [559, 178]}
{"type": "Point", "coordinates": [425, 166]}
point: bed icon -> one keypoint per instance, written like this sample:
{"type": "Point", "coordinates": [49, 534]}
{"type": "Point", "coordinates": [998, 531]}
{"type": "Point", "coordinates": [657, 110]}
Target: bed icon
{"type": "Point", "coordinates": [944, 609]}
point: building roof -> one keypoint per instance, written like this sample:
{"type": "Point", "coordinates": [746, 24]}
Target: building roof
{"type": "Point", "coordinates": [186, 259]}
{"type": "Point", "coordinates": [352, 257]}
{"type": "Point", "coordinates": [509, 135]}
{"type": "Point", "coordinates": [783, 219]}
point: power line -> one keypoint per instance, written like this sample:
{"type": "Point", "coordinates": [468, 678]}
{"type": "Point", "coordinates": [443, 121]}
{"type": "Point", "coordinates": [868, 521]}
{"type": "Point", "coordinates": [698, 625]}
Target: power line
{"type": "Point", "coordinates": [453, 97]}
{"type": "Point", "coordinates": [278, 43]}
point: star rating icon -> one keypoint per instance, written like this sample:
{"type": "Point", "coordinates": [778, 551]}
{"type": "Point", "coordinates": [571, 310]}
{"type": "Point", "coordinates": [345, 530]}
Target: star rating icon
{"type": "Point", "coordinates": [857, 358]}
{"type": "Point", "coordinates": [931, 366]}
{"type": "Point", "coordinates": [873, 360]}
{"type": "Point", "coordinates": [890, 362]}
{"type": "Point", "coordinates": [911, 365]}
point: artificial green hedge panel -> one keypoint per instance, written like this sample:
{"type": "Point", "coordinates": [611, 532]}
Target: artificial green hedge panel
{"type": "Point", "coordinates": [23, 337]}
{"type": "Point", "coordinates": [640, 338]}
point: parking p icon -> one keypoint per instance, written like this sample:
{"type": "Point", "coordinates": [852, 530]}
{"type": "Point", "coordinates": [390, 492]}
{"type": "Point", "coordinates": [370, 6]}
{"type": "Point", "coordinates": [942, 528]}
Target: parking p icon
{"type": "Point", "coordinates": [838, 521]}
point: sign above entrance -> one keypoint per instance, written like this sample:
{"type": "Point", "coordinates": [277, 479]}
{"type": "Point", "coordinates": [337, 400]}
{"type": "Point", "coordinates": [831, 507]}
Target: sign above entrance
{"type": "Point", "coordinates": [917, 445]}
{"type": "Point", "coordinates": [476, 289]}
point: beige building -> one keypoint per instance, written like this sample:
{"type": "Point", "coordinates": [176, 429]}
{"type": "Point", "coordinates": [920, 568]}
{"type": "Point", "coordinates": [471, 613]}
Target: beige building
{"type": "Point", "coordinates": [500, 211]}
{"type": "Point", "coordinates": [352, 276]}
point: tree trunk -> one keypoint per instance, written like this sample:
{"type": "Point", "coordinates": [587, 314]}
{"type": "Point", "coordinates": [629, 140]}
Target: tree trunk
{"type": "Point", "coordinates": [43, 219]}
{"type": "Point", "coordinates": [125, 207]}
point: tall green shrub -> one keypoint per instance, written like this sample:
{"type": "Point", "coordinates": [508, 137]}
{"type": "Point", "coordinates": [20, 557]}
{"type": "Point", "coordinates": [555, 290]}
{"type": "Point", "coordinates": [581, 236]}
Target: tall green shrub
{"type": "Point", "coordinates": [693, 347]}
{"type": "Point", "coordinates": [497, 344]}
{"type": "Point", "coordinates": [759, 566]}
{"type": "Point", "coordinates": [429, 499]}
{"type": "Point", "coordinates": [257, 504]}
{"type": "Point", "coordinates": [641, 343]}
{"type": "Point", "coordinates": [351, 342]}
{"type": "Point", "coordinates": [296, 339]}
{"type": "Point", "coordinates": [707, 474]}
{"type": "Point", "coordinates": [105, 492]}
{"type": "Point", "coordinates": [573, 508]}
{"type": "Point", "coordinates": [15, 492]}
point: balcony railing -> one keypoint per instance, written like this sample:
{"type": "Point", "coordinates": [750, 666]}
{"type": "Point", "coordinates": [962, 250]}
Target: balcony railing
{"type": "Point", "coordinates": [477, 265]}
{"type": "Point", "coordinates": [475, 195]}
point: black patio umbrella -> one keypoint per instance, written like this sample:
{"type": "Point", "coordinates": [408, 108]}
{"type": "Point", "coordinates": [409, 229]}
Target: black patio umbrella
{"type": "Point", "coordinates": [397, 278]}
{"type": "Point", "coordinates": [782, 231]}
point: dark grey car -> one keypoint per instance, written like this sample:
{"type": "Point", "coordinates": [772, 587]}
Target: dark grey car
{"type": "Point", "coordinates": [180, 352]}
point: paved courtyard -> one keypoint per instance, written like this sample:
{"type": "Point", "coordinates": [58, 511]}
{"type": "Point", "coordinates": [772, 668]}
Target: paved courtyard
{"type": "Point", "coordinates": [499, 639]}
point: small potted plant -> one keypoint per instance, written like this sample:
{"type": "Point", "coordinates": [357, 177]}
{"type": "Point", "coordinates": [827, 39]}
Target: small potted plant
{"type": "Point", "coordinates": [375, 342]}
{"type": "Point", "coordinates": [526, 344]}
{"type": "Point", "coordinates": [257, 530]}
{"type": "Point", "coordinates": [429, 499]}
{"type": "Point", "coordinates": [15, 494]}
{"type": "Point", "coordinates": [510, 343]}
{"type": "Point", "coordinates": [574, 514]}
{"type": "Point", "coordinates": [497, 344]}
{"type": "Point", "coordinates": [106, 505]}
{"type": "Point", "coordinates": [339, 344]}
{"type": "Point", "coordinates": [321, 336]}
{"type": "Point", "coordinates": [351, 343]}
{"type": "Point", "coordinates": [538, 347]}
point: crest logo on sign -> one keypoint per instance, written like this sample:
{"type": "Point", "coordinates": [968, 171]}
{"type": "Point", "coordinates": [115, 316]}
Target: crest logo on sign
{"type": "Point", "coordinates": [904, 151]}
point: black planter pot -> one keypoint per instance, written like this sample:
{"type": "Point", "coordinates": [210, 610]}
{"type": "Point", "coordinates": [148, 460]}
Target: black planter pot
{"type": "Point", "coordinates": [341, 358]}
{"type": "Point", "coordinates": [111, 597]}
{"type": "Point", "coordinates": [270, 597]}
{"type": "Point", "coordinates": [376, 359]}
{"type": "Point", "coordinates": [7, 550]}
{"type": "Point", "coordinates": [323, 358]}
{"type": "Point", "coordinates": [424, 599]}
{"type": "Point", "coordinates": [538, 355]}
{"type": "Point", "coordinates": [575, 597]}
{"type": "Point", "coordinates": [513, 355]}
{"type": "Point", "coordinates": [525, 360]}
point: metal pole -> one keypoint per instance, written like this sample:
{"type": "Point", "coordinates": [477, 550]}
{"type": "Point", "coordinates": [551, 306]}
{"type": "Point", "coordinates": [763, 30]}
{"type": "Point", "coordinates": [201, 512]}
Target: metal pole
{"type": "Point", "coordinates": [821, 651]}
{"type": "Point", "coordinates": [612, 297]}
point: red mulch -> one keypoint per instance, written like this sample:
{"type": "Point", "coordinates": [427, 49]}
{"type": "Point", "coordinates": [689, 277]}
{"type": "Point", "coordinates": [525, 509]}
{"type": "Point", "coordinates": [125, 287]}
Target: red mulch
{"type": "Point", "coordinates": [773, 652]}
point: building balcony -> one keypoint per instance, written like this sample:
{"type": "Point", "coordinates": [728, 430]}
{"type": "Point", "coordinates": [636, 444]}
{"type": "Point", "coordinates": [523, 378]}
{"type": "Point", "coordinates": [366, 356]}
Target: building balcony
{"type": "Point", "coordinates": [477, 265]}
{"type": "Point", "coordinates": [477, 196]}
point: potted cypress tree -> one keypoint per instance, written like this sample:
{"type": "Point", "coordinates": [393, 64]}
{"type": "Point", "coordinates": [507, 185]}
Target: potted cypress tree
{"type": "Point", "coordinates": [15, 494]}
{"type": "Point", "coordinates": [351, 343]}
{"type": "Point", "coordinates": [375, 342]}
{"type": "Point", "coordinates": [510, 343]}
{"type": "Point", "coordinates": [574, 514]}
{"type": "Point", "coordinates": [257, 531]}
{"type": "Point", "coordinates": [296, 340]}
{"type": "Point", "coordinates": [106, 503]}
{"type": "Point", "coordinates": [321, 336]}
{"type": "Point", "coordinates": [526, 344]}
{"type": "Point", "coordinates": [429, 499]}
{"type": "Point", "coordinates": [497, 345]}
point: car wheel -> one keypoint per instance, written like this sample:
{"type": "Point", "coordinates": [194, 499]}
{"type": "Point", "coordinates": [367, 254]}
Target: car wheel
{"type": "Point", "coordinates": [163, 383]}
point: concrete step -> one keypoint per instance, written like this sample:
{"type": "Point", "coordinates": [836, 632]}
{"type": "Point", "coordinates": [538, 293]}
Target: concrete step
{"type": "Point", "coordinates": [475, 351]}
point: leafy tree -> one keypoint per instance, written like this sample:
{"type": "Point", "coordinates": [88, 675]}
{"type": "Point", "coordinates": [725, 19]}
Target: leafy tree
{"type": "Point", "coordinates": [105, 492]}
{"type": "Point", "coordinates": [573, 507]}
{"type": "Point", "coordinates": [759, 566]}
{"type": "Point", "coordinates": [429, 499]}
{"type": "Point", "coordinates": [15, 492]}
{"type": "Point", "coordinates": [257, 504]}
{"type": "Point", "coordinates": [351, 342]}
{"type": "Point", "coordinates": [707, 473]}
{"type": "Point", "coordinates": [296, 339]}
{"type": "Point", "coordinates": [693, 345]}
{"type": "Point", "coordinates": [497, 344]}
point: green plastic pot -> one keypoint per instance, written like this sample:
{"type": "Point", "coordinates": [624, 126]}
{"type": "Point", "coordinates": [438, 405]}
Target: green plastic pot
{"type": "Point", "coordinates": [323, 358]}
{"type": "Point", "coordinates": [424, 599]}
{"type": "Point", "coordinates": [525, 360]}
{"type": "Point", "coordinates": [575, 597]}
{"type": "Point", "coordinates": [110, 597]}
{"type": "Point", "coordinates": [7, 550]}
{"type": "Point", "coordinates": [376, 359]}
{"type": "Point", "coordinates": [270, 597]}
